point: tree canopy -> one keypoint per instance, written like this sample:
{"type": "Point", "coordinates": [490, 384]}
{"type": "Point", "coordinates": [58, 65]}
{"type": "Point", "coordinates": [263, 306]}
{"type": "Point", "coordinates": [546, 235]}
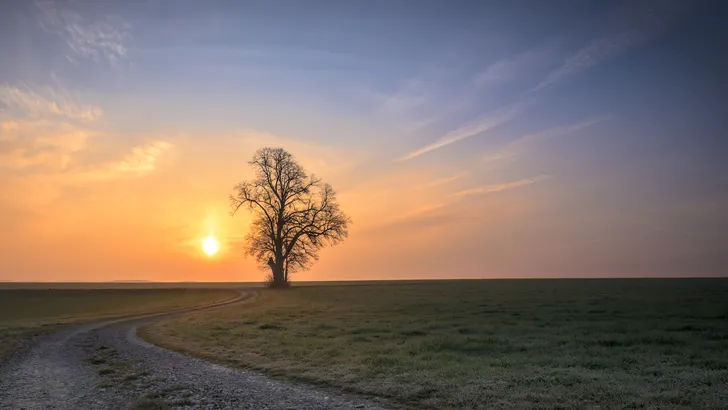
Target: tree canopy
{"type": "Point", "coordinates": [295, 214]}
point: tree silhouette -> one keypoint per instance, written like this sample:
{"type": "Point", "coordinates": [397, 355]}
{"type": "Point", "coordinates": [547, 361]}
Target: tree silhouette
{"type": "Point", "coordinates": [295, 215]}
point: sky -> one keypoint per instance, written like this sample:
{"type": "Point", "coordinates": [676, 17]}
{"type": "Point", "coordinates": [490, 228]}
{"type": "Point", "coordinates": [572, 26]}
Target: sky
{"type": "Point", "coordinates": [466, 139]}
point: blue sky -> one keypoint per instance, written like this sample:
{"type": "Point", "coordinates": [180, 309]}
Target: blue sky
{"type": "Point", "coordinates": [466, 138]}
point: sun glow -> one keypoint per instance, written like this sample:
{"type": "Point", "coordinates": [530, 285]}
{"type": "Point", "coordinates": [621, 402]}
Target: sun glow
{"type": "Point", "coordinates": [210, 245]}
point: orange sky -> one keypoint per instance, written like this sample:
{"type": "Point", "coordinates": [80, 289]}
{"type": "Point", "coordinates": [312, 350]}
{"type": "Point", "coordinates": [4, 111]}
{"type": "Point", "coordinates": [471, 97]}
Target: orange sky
{"type": "Point", "coordinates": [495, 143]}
{"type": "Point", "coordinates": [144, 214]}
{"type": "Point", "coordinates": [86, 207]}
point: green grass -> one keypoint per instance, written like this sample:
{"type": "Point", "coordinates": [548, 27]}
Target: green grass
{"type": "Point", "coordinates": [482, 344]}
{"type": "Point", "coordinates": [27, 313]}
{"type": "Point", "coordinates": [150, 404]}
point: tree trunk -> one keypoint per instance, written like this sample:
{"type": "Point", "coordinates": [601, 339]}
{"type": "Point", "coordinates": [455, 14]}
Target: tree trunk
{"type": "Point", "coordinates": [279, 279]}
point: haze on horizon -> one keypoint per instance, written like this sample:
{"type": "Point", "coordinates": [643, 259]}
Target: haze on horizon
{"type": "Point", "coordinates": [477, 139]}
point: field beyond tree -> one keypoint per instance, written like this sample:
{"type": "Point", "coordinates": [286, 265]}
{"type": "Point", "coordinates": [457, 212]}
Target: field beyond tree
{"type": "Point", "coordinates": [25, 313]}
{"type": "Point", "coordinates": [482, 344]}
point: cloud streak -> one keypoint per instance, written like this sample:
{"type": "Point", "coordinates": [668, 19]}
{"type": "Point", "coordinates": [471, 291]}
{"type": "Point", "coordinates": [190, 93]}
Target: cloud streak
{"type": "Point", "coordinates": [516, 147]}
{"type": "Point", "coordinates": [633, 25]}
{"type": "Point", "coordinates": [410, 96]}
{"type": "Point", "coordinates": [50, 149]}
{"type": "Point", "coordinates": [473, 128]}
{"type": "Point", "coordinates": [95, 40]}
{"type": "Point", "coordinates": [24, 102]}
{"type": "Point", "coordinates": [143, 159]}
{"type": "Point", "coordinates": [413, 222]}
{"type": "Point", "coordinates": [510, 68]}
{"type": "Point", "coordinates": [428, 209]}
{"type": "Point", "coordinates": [500, 187]}
{"type": "Point", "coordinates": [442, 181]}
{"type": "Point", "coordinates": [39, 144]}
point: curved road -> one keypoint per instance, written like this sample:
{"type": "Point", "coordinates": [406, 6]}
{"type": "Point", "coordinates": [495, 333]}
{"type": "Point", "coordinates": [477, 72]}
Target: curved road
{"type": "Point", "coordinates": [104, 365]}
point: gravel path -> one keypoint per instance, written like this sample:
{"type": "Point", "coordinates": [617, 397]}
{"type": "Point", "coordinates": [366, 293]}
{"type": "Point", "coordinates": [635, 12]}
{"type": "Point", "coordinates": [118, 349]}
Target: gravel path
{"type": "Point", "coordinates": [104, 365]}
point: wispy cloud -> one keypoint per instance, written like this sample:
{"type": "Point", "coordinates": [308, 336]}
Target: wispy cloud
{"type": "Point", "coordinates": [413, 222]}
{"type": "Point", "coordinates": [442, 181]}
{"type": "Point", "coordinates": [427, 209]}
{"type": "Point", "coordinates": [95, 40]}
{"type": "Point", "coordinates": [143, 159]}
{"type": "Point", "coordinates": [51, 149]}
{"type": "Point", "coordinates": [410, 96]}
{"type": "Point", "coordinates": [513, 67]}
{"type": "Point", "coordinates": [504, 186]}
{"type": "Point", "coordinates": [591, 55]}
{"type": "Point", "coordinates": [473, 128]}
{"type": "Point", "coordinates": [500, 72]}
{"type": "Point", "coordinates": [414, 102]}
{"type": "Point", "coordinates": [36, 136]}
{"type": "Point", "coordinates": [516, 147]}
{"type": "Point", "coordinates": [39, 144]}
{"type": "Point", "coordinates": [631, 26]}
{"type": "Point", "coordinates": [24, 102]}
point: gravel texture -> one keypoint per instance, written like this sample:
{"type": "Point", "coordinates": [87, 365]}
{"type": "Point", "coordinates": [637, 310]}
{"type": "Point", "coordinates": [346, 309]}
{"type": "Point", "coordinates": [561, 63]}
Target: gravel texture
{"type": "Point", "coordinates": [104, 365]}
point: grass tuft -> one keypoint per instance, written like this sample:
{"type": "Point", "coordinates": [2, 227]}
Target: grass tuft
{"type": "Point", "coordinates": [147, 403]}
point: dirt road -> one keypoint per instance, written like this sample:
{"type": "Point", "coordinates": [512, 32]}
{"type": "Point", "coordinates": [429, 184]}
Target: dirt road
{"type": "Point", "coordinates": [104, 365]}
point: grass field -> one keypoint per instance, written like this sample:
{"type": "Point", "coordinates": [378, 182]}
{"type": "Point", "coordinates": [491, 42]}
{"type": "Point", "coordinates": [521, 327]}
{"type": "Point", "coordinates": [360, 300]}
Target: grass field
{"type": "Point", "coordinates": [162, 285]}
{"type": "Point", "coordinates": [27, 313]}
{"type": "Point", "coordinates": [483, 344]}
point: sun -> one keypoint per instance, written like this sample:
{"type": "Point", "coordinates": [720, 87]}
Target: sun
{"type": "Point", "coordinates": [210, 245]}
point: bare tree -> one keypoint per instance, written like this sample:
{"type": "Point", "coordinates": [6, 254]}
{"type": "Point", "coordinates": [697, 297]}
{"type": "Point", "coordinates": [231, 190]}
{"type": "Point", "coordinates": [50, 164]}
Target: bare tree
{"type": "Point", "coordinates": [295, 215]}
